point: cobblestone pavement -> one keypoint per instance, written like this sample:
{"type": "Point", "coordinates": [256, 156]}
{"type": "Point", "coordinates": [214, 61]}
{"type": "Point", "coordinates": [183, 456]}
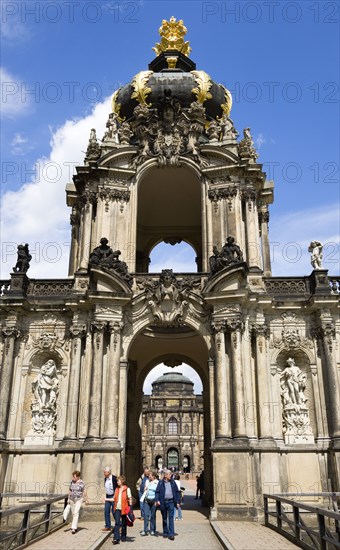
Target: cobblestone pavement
{"type": "Point", "coordinates": [88, 537]}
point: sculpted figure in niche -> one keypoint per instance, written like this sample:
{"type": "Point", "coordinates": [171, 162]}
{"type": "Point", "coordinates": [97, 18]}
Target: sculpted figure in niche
{"type": "Point", "coordinates": [293, 384]}
{"type": "Point", "coordinates": [315, 248]}
{"type": "Point", "coordinates": [46, 386]}
{"type": "Point", "coordinates": [24, 258]}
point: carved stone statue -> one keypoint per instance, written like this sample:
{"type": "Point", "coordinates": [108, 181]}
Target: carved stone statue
{"type": "Point", "coordinates": [169, 107]}
{"type": "Point", "coordinates": [24, 258]}
{"type": "Point", "coordinates": [112, 128]}
{"type": "Point", "coordinates": [315, 248]}
{"type": "Point", "coordinates": [93, 151]}
{"type": "Point", "coordinates": [125, 133]}
{"type": "Point", "coordinates": [293, 383]}
{"type": "Point", "coordinates": [46, 386]}
{"type": "Point", "coordinates": [104, 256]}
{"type": "Point", "coordinates": [246, 147]}
{"type": "Point", "coordinates": [214, 131]}
{"type": "Point", "coordinates": [295, 414]}
{"type": "Point", "coordinates": [229, 255]}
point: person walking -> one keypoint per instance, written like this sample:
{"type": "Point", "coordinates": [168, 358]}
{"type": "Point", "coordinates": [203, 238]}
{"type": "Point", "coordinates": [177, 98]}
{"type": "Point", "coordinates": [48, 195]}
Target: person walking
{"type": "Point", "coordinates": [179, 508]}
{"type": "Point", "coordinates": [122, 501]}
{"type": "Point", "coordinates": [168, 497]}
{"type": "Point", "coordinates": [110, 484]}
{"type": "Point", "coordinates": [149, 504]}
{"type": "Point", "coordinates": [76, 498]}
{"type": "Point", "coordinates": [140, 486]}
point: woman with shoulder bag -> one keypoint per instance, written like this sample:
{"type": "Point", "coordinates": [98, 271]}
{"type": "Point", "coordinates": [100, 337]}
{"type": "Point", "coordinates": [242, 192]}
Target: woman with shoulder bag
{"type": "Point", "coordinates": [122, 501]}
{"type": "Point", "coordinates": [76, 499]}
{"type": "Point", "coordinates": [150, 504]}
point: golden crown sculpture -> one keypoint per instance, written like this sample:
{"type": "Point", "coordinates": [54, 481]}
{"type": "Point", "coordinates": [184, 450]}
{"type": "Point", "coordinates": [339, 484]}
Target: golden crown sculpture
{"type": "Point", "coordinates": [172, 33]}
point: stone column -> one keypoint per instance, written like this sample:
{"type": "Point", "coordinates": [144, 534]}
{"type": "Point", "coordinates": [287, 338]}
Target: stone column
{"type": "Point", "coordinates": [264, 220]}
{"type": "Point", "coordinates": [211, 367]}
{"type": "Point", "coordinates": [252, 231]}
{"type": "Point", "coordinates": [326, 336]}
{"type": "Point", "coordinates": [266, 410]}
{"type": "Point", "coordinates": [223, 426]}
{"type": "Point", "coordinates": [10, 334]}
{"type": "Point", "coordinates": [72, 406]}
{"type": "Point", "coordinates": [96, 380]}
{"type": "Point", "coordinates": [75, 222]}
{"type": "Point", "coordinates": [86, 231]}
{"type": "Point", "coordinates": [111, 409]}
{"type": "Point", "coordinates": [235, 327]}
{"type": "Point", "coordinates": [123, 371]}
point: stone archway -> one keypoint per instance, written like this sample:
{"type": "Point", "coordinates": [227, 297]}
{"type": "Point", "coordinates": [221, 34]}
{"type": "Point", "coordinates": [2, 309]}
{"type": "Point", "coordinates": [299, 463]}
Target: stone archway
{"type": "Point", "coordinates": [150, 348]}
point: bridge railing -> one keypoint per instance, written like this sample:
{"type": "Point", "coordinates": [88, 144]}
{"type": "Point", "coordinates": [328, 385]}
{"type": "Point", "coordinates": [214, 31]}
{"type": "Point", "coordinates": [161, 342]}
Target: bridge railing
{"type": "Point", "coordinates": [310, 527]}
{"type": "Point", "coordinates": [21, 525]}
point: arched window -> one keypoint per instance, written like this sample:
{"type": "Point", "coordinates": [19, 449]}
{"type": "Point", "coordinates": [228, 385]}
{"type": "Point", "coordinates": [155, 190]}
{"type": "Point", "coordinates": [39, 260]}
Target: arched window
{"type": "Point", "coordinates": [173, 426]}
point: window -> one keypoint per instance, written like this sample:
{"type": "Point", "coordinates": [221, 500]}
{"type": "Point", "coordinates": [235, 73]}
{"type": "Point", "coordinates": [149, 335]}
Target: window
{"type": "Point", "coordinates": [173, 426]}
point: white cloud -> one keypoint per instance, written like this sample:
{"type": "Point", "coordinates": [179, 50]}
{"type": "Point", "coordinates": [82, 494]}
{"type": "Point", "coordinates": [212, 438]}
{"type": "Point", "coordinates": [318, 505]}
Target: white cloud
{"type": "Point", "coordinates": [13, 30]}
{"type": "Point", "coordinates": [20, 145]}
{"type": "Point", "coordinates": [13, 101]}
{"type": "Point", "coordinates": [37, 213]}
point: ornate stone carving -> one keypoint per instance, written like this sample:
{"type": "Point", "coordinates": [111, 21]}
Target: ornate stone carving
{"type": "Point", "coordinates": [260, 332]}
{"type": "Point", "coordinates": [284, 286]}
{"type": "Point", "coordinates": [111, 133]}
{"type": "Point", "coordinates": [47, 342]}
{"type": "Point", "coordinates": [315, 248]}
{"type": "Point", "coordinates": [24, 258]}
{"type": "Point", "coordinates": [167, 133]}
{"type": "Point", "coordinates": [125, 133]}
{"type": "Point", "coordinates": [248, 195]}
{"type": "Point", "coordinates": [296, 423]}
{"type": "Point", "coordinates": [246, 147]}
{"type": "Point", "coordinates": [214, 131]}
{"type": "Point", "coordinates": [227, 193]}
{"type": "Point", "coordinates": [263, 216]}
{"type": "Point", "coordinates": [93, 151]}
{"type": "Point", "coordinates": [103, 256]}
{"type": "Point", "coordinates": [45, 389]}
{"type": "Point", "coordinates": [229, 255]}
{"type": "Point", "coordinates": [167, 298]}
{"type": "Point", "coordinates": [118, 195]}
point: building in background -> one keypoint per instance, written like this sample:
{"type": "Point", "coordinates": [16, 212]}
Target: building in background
{"type": "Point", "coordinates": [172, 425]}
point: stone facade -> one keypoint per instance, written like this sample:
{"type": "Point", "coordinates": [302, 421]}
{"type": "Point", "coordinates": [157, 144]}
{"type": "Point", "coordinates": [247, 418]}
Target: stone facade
{"type": "Point", "coordinates": [172, 425]}
{"type": "Point", "coordinates": [75, 352]}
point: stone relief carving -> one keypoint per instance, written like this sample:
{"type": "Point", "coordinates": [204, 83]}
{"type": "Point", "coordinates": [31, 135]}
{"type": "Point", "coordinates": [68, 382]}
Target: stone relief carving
{"type": "Point", "coordinates": [167, 297]}
{"type": "Point", "coordinates": [295, 414]}
{"type": "Point", "coordinates": [228, 193]}
{"type": "Point", "coordinates": [229, 255]}
{"type": "Point", "coordinates": [166, 132]}
{"type": "Point", "coordinates": [290, 334]}
{"type": "Point", "coordinates": [103, 256]}
{"type": "Point", "coordinates": [45, 389]}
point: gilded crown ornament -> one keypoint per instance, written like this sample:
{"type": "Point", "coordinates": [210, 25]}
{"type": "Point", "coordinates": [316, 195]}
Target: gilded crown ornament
{"type": "Point", "coordinates": [172, 33]}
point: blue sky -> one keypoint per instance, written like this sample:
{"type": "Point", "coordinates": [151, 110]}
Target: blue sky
{"type": "Point", "coordinates": [62, 60]}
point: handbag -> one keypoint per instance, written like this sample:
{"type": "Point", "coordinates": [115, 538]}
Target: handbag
{"type": "Point", "coordinates": [66, 511]}
{"type": "Point", "coordinates": [130, 517]}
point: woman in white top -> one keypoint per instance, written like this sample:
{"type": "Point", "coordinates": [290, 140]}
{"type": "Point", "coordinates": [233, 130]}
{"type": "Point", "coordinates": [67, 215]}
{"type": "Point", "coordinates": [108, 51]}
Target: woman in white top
{"type": "Point", "coordinates": [179, 509]}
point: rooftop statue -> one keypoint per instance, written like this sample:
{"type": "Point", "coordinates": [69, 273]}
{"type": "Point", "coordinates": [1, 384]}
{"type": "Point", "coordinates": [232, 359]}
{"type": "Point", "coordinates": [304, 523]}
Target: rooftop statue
{"type": "Point", "coordinates": [24, 258]}
{"type": "Point", "coordinates": [104, 256]}
{"type": "Point", "coordinates": [229, 255]}
{"type": "Point", "coordinates": [315, 248]}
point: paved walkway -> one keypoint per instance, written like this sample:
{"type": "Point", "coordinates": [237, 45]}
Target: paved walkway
{"type": "Point", "coordinates": [192, 533]}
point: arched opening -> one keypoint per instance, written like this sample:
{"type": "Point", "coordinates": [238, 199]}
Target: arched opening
{"type": "Point", "coordinates": [180, 257]}
{"type": "Point", "coordinates": [184, 424]}
{"type": "Point", "coordinates": [173, 459]}
{"type": "Point", "coordinates": [169, 211]}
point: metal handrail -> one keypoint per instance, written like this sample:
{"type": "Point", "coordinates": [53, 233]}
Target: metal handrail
{"type": "Point", "coordinates": [19, 538]}
{"type": "Point", "coordinates": [319, 538]}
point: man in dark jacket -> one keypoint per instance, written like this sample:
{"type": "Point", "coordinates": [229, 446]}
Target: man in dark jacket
{"type": "Point", "coordinates": [167, 497]}
{"type": "Point", "coordinates": [110, 483]}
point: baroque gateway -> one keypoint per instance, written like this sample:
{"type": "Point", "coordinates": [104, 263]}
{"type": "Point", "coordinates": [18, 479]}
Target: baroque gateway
{"type": "Point", "coordinates": [76, 351]}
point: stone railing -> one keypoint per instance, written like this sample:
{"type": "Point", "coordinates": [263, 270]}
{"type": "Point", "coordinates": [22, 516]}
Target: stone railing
{"type": "Point", "coordinates": [50, 287]}
{"type": "Point", "coordinates": [143, 280]}
{"type": "Point", "coordinates": [284, 286]}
